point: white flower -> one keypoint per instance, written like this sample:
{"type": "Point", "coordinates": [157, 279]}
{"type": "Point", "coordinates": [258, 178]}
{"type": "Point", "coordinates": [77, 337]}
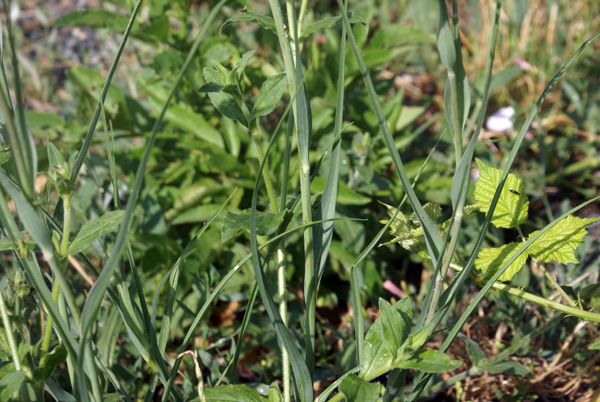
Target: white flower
{"type": "Point", "coordinates": [501, 120]}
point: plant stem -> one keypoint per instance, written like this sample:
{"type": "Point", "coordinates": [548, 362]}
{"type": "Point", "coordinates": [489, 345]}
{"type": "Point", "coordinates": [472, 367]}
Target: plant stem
{"type": "Point", "coordinates": [554, 283]}
{"type": "Point", "coordinates": [584, 315]}
{"type": "Point", "coordinates": [64, 245]}
{"type": "Point", "coordinates": [282, 293]}
{"type": "Point", "coordinates": [9, 333]}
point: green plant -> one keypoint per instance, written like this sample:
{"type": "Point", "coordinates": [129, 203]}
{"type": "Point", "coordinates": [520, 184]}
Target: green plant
{"type": "Point", "coordinates": [108, 342]}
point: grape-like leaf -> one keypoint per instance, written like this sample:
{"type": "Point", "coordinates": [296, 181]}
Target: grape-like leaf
{"type": "Point", "coordinates": [492, 259]}
{"type": "Point", "coordinates": [561, 240]}
{"type": "Point", "coordinates": [512, 206]}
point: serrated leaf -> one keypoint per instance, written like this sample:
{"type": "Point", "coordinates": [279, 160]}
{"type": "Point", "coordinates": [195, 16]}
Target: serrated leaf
{"type": "Point", "coordinates": [93, 229]}
{"type": "Point", "coordinates": [266, 22]}
{"type": "Point", "coordinates": [430, 361]}
{"type": "Point", "coordinates": [266, 223]}
{"type": "Point", "coordinates": [356, 389]}
{"type": "Point", "coordinates": [490, 260]}
{"type": "Point", "coordinates": [270, 93]}
{"type": "Point", "coordinates": [432, 209]}
{"type": "Point", "coordinates": [512, 207]}
{"type": "Point", "coordinates": [232, 393]}
{"type": "Point", "coordinates": [395, 326]}
{"type": "Point", "coordinates": [560, 241]}
{"type": "Point", "coordinates": [330, 22]}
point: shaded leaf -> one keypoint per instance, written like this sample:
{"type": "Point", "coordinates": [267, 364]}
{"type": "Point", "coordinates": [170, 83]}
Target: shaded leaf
{"type": "Point", "coordinates": [274, 393]}
{"type": "Point", "coordinates": [475, 353]}
{"type": "Point", "coordinates": [52, 359]}
{"type": "Point", "coordinates": [270, 93]}
{"type": "Point", "coordinates": [560, 241]}
{"type": "Point", "coordinates": [266, 22]}
{"type": "Point", "coordinates": [232, 393]}
{"type": "Point", "coordinates": [266, 223]}
{"type": "Point", "coordinates": [10, 383]}
{"type": "Point", "coordinates": [508, 367]}
{"type": "Point", "coordinates": [430, 361]}
{"type": "Point", "coordinates": [377, 358]}
{"type": "Point", "coordinates": [356, 389]}
{"type": "Point", "coordinates": [490, 260]}
{"type": "Point", "coordinates": [512, 206]}
{"type": "Point", "coordinates": [330, 22]}
{"type": "Point", "coordinates": [395, 327]}
{"type": "Point", "coordinates": [94, 18]}
{"type": "Point", "coordinates": [345, 195]}
{"type": "Point", "coordinates": [92, 230]}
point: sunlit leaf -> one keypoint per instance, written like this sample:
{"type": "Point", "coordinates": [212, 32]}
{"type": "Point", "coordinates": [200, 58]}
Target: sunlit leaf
{"type": "Point", "coordinates": [92, 230]}
{"type": "Point", "coordinates": [490, 260]}
{"type": "Point", "coordinates": [561, 240]}
{"type": "Point", "coordinates": [356, 389]}
{"type": "Point", "coordinates": [512, 206]}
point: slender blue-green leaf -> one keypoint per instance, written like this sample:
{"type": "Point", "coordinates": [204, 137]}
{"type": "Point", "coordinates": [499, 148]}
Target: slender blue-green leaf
{"type": "Point", "coordinates": [432, 236]}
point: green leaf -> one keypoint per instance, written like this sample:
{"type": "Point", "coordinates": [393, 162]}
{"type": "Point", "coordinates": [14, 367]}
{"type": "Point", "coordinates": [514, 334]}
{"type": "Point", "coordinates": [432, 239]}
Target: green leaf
{"type": "Point", "coordinates": [240, 67]}
{"type": "Point", "coordinates": [10, 383]}
{"type": "Point", "coordinates": [270, 93]}
{"type": "Point", "coordinates": [345, 195]}
{"type": "Point", "coordinates": [561, 240]}
{"type": "Point", "coordinates": [330, 22]}
{"type": "Point", "coordinates": [274, 393]}
{"type": "Point", "coordinates": [52, 359]}
{"type": "Point", "coordinates": [508, 367]}
{"type": "Point", "coordinates": [266, 22]}
{"type": "Point", "coordinates": [512, 206]}
{"type": "Point", "coordinates": [93, 229]}
{"type": "Point", "coordinates": [232, 393]}
{"type": "Point", "coordinates": [94, 18]}
{"type": "Point", "coordinates": [224, 102]}
{"type": "Point", "coordinates": [55, 158]}
{"type": "Point", "coordinates": [590, 295]}
{"type": "Point", "coordinates": [430, 361]}
{"type": "Point", "coordinates": [356, 389]}
{"type": "Point", "coordinates": [595, 345]}
{"type": "Point", "coordinates": [490, 260]}
{"type": "Point", "coordinates": [475, 353]}
{"type": "Point", "coordinates": [418, 339]}
{"type": "Point", "coordinates": [113, 397]}
{"type": "Point", "coordinates": [377, 358]}
{"type": "Point", "coordinates": [395, 327]}
{"type": "Point", "coordinates": [266, 223]}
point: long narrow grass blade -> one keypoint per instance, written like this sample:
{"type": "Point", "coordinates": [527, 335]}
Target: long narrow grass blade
{"type": "Point", "coordinates": [432, 236]}
{"type": "Point", "coordinates": [20, 139]}
{"type": "Point", "coordinates": [96, 295]}
{"type": "Point", "coordinates": [324, 233]}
